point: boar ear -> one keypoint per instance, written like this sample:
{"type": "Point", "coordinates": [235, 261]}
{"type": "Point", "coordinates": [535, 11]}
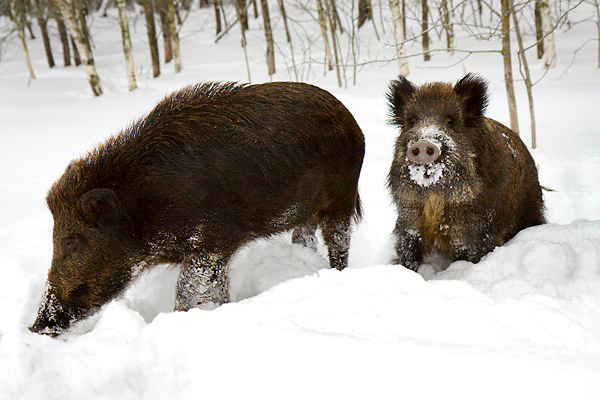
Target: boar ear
{"type": "Point", "coordinates": [100, 206]}
{"type": "Point", "coordinates": [472, 91]}
{"type": "Point", "coordinates": [400, 92]}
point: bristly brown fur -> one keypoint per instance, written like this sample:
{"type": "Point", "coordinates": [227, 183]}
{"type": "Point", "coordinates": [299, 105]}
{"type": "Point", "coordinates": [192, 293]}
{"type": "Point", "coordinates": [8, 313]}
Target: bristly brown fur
{"type": "Point", "coordinates": [486, 189]}
{"type": "Point", "coordinates": [210, 168]}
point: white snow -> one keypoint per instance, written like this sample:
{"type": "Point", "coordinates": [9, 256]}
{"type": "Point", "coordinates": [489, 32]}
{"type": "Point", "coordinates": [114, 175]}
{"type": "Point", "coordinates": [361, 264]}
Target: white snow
{"type": "Point", "coordinates": [524, 323]}
{"type": "Point", "coordinates": [426, 174]}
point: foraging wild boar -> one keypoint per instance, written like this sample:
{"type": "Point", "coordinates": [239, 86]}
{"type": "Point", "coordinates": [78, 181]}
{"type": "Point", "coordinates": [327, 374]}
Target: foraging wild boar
{"type": "Point", "coordinates": [211, 168]}
{"type": "Point", "coordinates": [462, 183]}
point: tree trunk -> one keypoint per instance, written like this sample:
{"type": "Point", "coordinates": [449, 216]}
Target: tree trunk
{"type": "Point", "coordinates": [447, 24]}
{"type": "Point", "coordinates": [336, 16]}
{"type": "Point", "coordinates": [217, 16]}
{"type": "Point", "coordinates": [549, 46]}
{"type": "Point", "coordinates": [151, 31]}
{"type": "Point", "coordinates": [163, 13]}
{"type": "Point", "coordinates": [334, 41]}
{"type": "Point", "coordinates": [539, 30]}
{"type": "Point", "coordinates": [126, 39]}
{"type": "Point", "coordinates": [239, 12]}
{"type": "Point", "coordinates": [241, 9]}
{"type": "Point", "coordinates": [64, 38]}
{"type": "Point", "coordinates": [288, 35]}
{"type": "Point", "coordinates": [399, 37]}
{"type": "Point", "coordinates": [323, 25]}
{"type": "Point", "coordinates": [508, 78]}
{"type": "Point", "coordinates": [76, 58]}
{"type": "Point", "coordinates": [425, 29]}
{"type": "Point", "coordinates": [527, 75]}
{"type": "Point", "coordinates": [42, 22]}
{"type": "Point", "coordinates": [269, 36]}
{"type": "Point", "coordinates": [68, 13]}
{"type": "Point", "coordinates": [365, 12]}
{"type": "Point", "coordinates": [174, 36]}
{"type": "Point", "coordinates": [17, 9]}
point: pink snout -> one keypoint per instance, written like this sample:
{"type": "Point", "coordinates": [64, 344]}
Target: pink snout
{"type": "Point", "coordinates": [423, 152]}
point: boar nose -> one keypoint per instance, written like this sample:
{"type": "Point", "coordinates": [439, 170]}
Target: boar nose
{"type": "Point", "coordinates": [423, 152]}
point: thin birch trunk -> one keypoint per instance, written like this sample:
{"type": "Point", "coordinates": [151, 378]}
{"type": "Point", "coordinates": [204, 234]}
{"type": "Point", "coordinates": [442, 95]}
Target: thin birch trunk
{"type": "Point", "coordinates": [85, 52]}
{"type": "Point", "coordinates": [288, 35]}
{"type": "Point", "coordinates": [174, 35]}
{"type": "Point", "coordinates": [217, 16]}
{"type": "Point", "coordinates": [527, 76]}
{"type": "Point", "coordinates": [151, 31]}
{"type": "Point", "coordinates": [42, 22]}
{"type": "Point", "coordinates": [163, 13]}
{"type": "Point", "coordinates": [447, 24]}
{"type": "Point", "coordinates": [425, 29]}
{"type": "Point", "coordinates": [549, 45]}
{"type": "Point", "coordinates": [334, 42]}
{"type": "Point", "coordinates": [399, 37]}
{"type": "Point", "coordinates": [506, 56]}
{"type": "Point", "coordinates": [17, 9]}
{"type": "Point", "coordinates": [323, 25]}
{"type": "Point", "coordinates": [539, 30]}
{"type": "Point", "coordinates": [239, 12]}
{"type": "Point", "coordinates": [268, 36]}
{"type": "Point", "coordinates": [126, 40]}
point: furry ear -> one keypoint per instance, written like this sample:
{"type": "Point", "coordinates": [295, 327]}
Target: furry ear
{"type": "Point", "coordinates": [398, 95]}
{"type": "Point", "coordinates": [472, 91]}
{"type": "Point", "coordinates": [100, 206]}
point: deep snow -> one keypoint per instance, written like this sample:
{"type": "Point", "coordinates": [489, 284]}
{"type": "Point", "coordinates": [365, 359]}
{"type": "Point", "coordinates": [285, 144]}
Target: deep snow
{"type": "Point", "coordinates": [523, 323]}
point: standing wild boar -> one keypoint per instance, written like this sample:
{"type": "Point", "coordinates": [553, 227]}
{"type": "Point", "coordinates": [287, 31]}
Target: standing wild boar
{"type": "Point", "coordinates": [211, 168]}
{"type": "Point", "coordinates": [462, 183]}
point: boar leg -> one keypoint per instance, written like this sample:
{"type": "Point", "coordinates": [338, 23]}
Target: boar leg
{"type": "Point", "coordinates": [408, 246]}
{"type": "Point", "coordinates": [305, 236]}
{"type": "Point", "coordinates": [336, 235]}
{"type": "Point", "coordinates": [203, 282]}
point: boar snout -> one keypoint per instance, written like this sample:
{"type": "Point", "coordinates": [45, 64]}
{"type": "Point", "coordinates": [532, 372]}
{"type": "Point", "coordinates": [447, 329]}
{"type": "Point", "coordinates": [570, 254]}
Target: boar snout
{"type": "Point", "coordinates": [423, 152]}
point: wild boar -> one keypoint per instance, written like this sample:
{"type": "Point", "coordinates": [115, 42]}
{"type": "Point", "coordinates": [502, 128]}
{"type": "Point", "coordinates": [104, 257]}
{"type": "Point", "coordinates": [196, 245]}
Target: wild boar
{"type": "Point", "coordinates": [462, 183]}
{"type": "Point", "coordinates": [211, 168]}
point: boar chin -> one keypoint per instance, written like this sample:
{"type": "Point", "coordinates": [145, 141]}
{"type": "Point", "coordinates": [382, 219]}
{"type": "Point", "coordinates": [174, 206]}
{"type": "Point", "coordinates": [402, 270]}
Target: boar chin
{"type": "Point", "coordinates": [54, 318]}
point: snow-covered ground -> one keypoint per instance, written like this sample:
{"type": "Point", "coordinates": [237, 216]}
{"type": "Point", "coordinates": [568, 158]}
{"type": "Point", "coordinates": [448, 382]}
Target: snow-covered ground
{"type": "Point", "coordinates": [524, 323]}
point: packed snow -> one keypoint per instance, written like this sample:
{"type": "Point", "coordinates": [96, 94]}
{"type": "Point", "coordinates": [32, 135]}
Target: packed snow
{"type": "Point", "coordinates": [524, 323]}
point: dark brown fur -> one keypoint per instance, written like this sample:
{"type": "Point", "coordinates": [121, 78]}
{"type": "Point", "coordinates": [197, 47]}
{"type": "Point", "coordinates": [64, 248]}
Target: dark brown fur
{"type": "Point", "coordinates": [478, 194]}
{"type": "Point", "coordinates": [211, 168]}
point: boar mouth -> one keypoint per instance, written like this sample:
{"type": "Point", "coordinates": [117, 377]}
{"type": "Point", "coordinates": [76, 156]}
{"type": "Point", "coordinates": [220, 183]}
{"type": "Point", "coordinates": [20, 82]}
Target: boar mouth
{"type": "Point", "coordinates": [54, 318]}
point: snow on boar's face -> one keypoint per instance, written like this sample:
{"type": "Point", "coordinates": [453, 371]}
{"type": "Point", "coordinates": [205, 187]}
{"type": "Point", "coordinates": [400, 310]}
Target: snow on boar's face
{"type": "Point", "coordinates": [89, 262]}
{"type": "Point", "coordinates": [437, 145]}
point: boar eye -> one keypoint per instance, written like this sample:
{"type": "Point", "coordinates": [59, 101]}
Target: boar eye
{"type": "Point", "coordinates": [412, 121]}
{"type": "Point", "coordinates": [72, 244]}
{"type": "Point", "coordinates": [449, 121]}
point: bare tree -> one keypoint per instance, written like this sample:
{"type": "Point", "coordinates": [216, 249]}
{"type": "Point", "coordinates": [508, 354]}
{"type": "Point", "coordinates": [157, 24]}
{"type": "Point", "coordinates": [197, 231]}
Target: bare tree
{"type": "Point", "coordinates": [42, 22]}
{"type": "Point", "coordinates": [549, 46]}
{"type": "Point", "coordinates": [62, 32]}
{"type": "Point", "coordinates": [174, 35]}
{"type": "Point", "coordinates": [323, 25]}
{"type": "Point", "coordinates": [508, 78]}
{"type": "Point", "coordinates": [397, 19]}
{"type": "Point", "coordinates": [240, 12]}
{"type": "Point", "coordinates": [447, 24]}
{"type": "Point", "coordinates": [268, 36]}
{"type": "Point", "coordinates": [524, 71]}
{"type": "Point", "coordinates": [126, 39]}
{"type": "Point", "coordinates": [216, 4]}
{"type": "Point", "coordinates": [151, 32]}
{"type": "Point", "coordinates": [365, 12]}
{"type": "Point", "coordinates": [67, 10]}
{"type": "Point", "coordinates": [162, 9]}
{"type": "Point", "coordinates": [17, 9]}
{"type": "Point", "coordinates": [425, 29]}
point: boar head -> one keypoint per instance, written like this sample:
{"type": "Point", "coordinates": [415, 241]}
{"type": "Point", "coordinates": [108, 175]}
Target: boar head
{"type": "Point", "coordinates": [440, 127]}
{"type": "Point", "coordinates": [91, 261]}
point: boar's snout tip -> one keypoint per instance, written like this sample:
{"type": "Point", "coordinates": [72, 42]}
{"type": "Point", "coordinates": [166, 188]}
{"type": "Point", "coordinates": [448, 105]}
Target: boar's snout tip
{"type": "Point", "coordinates": [423, 152]}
